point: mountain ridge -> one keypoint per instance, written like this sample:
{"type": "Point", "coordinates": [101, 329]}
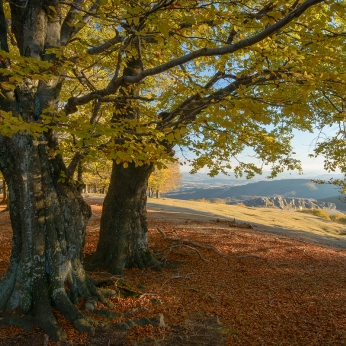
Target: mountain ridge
{"type": "Point", "coordinates": [300, 188]}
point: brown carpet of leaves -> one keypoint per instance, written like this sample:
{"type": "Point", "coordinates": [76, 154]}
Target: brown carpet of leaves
{"type": "Point", "coordinates": [270, 290]}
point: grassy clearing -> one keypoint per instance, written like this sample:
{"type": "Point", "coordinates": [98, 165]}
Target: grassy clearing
{"type": "Point", "coordinates": [337, 217]}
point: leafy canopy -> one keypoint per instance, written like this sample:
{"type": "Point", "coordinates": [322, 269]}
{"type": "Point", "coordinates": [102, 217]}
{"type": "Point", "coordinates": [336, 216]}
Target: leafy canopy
{"type": "Point", "coordinates": [216, 77]}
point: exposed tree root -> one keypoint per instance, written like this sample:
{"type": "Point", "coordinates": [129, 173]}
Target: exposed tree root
{"type": "Point", "coordinates": [42, 314]}
{"type": "Point", "coordinates": [115, 264]}
{"type": "Point", "coordinates": [189, 244]}
{"type": "Point", "coordinates": [189, 247]}
{"type": "Point", "coordinates": [37, 305]}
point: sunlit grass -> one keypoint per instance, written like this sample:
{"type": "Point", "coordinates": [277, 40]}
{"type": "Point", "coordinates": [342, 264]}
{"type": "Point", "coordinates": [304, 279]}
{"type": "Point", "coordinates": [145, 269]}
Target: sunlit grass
{"type": "Point", "coordinates": [337, 217]}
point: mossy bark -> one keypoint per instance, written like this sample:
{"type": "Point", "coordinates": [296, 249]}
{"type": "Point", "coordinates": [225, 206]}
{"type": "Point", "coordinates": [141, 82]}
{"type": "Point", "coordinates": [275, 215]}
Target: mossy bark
{"type": "Point", "coordinates": [123, 238]}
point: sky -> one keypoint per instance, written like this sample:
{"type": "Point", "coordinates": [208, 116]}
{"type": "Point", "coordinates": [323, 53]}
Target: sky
{"type": "Point", "coordinates": [303, 144]}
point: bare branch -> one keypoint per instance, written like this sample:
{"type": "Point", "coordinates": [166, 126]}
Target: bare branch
{"type": "Point", "coordinates": [83, 79]}
{"type": "Point", "coordinates": [331, 102]}
{"type": "Point", "coordinates": [74, 164]}
{"type": "Point", "coordinates": [95, 112]}
{"type": "Point", "coordinates": [104, 46]}
{"type": "Point", "coordinates": [188, 110]}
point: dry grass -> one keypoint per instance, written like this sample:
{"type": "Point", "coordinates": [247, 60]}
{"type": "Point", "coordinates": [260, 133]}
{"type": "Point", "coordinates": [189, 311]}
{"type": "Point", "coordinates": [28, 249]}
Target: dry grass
{"type": "Point", "coordinates": [316, 212]}
{"type": "Point", "coordinates": [341, 218]}
{"type": "Point", "coordinates": [336, 217]}
{"type": "Point", "coordinates": [266, 219]}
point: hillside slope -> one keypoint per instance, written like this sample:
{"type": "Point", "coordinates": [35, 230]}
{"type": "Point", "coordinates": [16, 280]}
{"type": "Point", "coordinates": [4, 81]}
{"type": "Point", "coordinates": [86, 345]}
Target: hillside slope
{"type": "Point", "coordinates": [302, 188]}
{"type": "Point", "coordinates": [289, 223]}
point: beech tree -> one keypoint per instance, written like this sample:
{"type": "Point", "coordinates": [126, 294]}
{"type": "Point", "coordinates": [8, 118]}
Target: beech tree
{"type": "Point", "coordinates": [164, 180]}
{"type": "Point", "coordinates": [48, 214]}
{"type": "Point", "coordinates": [213, 77]}
{"type": "Point", "coordinates": [134, 79]}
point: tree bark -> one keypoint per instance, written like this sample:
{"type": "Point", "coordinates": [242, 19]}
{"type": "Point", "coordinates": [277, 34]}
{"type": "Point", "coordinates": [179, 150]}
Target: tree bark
{"type": "Point", "coordinates": [80, 185]}
{"type": "Point", "coordinates": [48, 217]}
{"type": "Point", "coordinates": [48, 220]}
{"type": "Point", "coordinates": [124, 227]}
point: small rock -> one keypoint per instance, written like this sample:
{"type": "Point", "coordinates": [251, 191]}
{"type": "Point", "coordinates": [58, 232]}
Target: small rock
{"type": "Point", "coordinates": [158, 321]}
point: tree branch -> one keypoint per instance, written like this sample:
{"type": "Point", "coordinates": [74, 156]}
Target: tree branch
{"type": "Point", "coordinates": [96, 109]}
{"type": "Point", "coordinates": [74, 164]}
{"type": "Point", "coordinates": [125, 97]}
{"type": "Point", "coordinates": [17, 10]}
{"type": "Point", "coordinates": [197, 104]}
{"type": "Point", "coordinates": [104, 46]}
{"type": "Point", "coordinates": [68, 29]}
{"type": "Point", "coordinates": [3, 33]}
{"type": "Point", "coordinates": [117, 82]}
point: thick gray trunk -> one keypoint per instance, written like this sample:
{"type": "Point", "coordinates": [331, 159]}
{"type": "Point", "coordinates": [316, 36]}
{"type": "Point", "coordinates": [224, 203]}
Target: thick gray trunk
{"type": "Point", "coordinates": [124, 227]}
{"type": "Point", "coordinates": [48, 220]}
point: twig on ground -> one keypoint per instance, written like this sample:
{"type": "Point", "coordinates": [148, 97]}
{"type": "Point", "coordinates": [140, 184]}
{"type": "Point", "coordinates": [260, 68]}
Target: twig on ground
{"type": "Point", "coordinates": [191, 289]}
{"type": "Point", "coordinates": [304, 251]}
{"type": "Point", "coordinates": [177, 277]}
{"type": "Point", "coordinates": [190, 247]}
{"type": "Point", "coordinates": [191, 243]}
{"type": "Point", "coordinates": [148, 294]}
{"type": "Point", "coordinates": [163, 233]}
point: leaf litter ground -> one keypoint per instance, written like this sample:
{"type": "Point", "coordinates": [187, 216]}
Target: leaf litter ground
{"type": "Point", "coordinates": [269, 290]}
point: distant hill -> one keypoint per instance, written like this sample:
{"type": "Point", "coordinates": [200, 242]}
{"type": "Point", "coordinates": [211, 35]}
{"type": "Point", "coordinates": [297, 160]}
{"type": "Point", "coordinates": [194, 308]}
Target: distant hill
{"type": "Point", "coordinates": [340, 201]}
{"type": "Point", "coordinates": [302, 188]}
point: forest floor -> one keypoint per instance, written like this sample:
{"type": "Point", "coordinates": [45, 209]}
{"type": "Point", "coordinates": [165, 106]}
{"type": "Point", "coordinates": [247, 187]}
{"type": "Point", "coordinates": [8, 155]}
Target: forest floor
{"type": "Point", "coordinates": [272, 284]}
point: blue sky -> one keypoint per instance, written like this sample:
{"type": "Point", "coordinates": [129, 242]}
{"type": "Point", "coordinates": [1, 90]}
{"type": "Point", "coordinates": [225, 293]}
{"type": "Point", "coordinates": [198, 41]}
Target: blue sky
{"type": "Point", "coordinates": [303, 144]}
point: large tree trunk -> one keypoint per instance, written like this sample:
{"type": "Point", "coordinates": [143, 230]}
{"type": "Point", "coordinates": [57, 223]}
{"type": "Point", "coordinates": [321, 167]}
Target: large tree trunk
{"type": "Point", "coordinates": [124, 227]}
{"type": "Point", "coordinates": [48, 220]}
{"type": "Point", "coordinates": [48, 217]}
